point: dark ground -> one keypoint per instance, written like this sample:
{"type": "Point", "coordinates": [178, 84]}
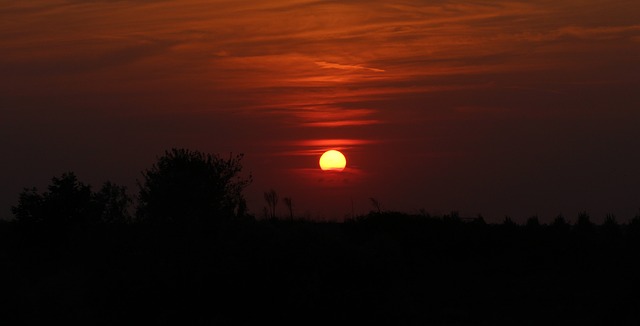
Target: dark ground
{"type": "Point", "coordinates": [390, 269]}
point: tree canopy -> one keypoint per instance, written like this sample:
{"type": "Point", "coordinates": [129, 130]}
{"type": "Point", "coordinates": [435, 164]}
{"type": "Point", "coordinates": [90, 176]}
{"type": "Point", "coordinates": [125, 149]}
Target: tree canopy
{"type": "Point", "coordinates": [191, 186]}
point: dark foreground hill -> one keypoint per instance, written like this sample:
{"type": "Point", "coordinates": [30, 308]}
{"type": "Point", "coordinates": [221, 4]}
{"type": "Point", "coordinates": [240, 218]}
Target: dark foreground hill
{"type": "Point", "coordinates": [387, 269]}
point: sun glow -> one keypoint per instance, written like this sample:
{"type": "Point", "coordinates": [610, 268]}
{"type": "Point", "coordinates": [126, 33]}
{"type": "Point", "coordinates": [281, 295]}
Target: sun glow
{"type": "Point", "coordinates": [332, 160]}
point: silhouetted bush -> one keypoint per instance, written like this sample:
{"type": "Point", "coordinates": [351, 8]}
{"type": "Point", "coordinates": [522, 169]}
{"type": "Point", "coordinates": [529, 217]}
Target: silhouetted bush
{"type": "Point", "coordinates": [189, 186]}
{"type": "Point", "coordinates": [533, 222]}
{"type": "Point", "coordinates": [560, 224]}
{"type": "Point", "coordinates": [610, 225]}
{"type": "Point", "coordinates": [479, 220]}
{"type": "Point", "coordinates": [584, 224]}
{"type": "Point", "coordinates": [508, 222]}
{"type": "Point", "coordinates": [452, 218]}
{"type": "Point", "coordinates": [633, 229]}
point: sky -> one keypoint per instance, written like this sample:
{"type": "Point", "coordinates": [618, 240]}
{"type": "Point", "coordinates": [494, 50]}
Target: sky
{"type": "Point", "coordinates": [500, 108]}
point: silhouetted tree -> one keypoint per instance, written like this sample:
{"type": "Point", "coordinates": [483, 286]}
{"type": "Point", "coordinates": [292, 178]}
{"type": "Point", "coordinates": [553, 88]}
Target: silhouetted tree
{"type": "Point", "coordinates": [67, 200]}
{"type": "Point", "coordinates": [113, 203]}
{"type": "Point", "coordinates": [376, 205]}
{"type": "Point", "coordinates": [287, 201]}
{"type": "Point", "coordinates": [191, 186]}
{"type": "Point", "coordinates": [271, 197]}
{"type": "Point", "coordinates": [30, 206]}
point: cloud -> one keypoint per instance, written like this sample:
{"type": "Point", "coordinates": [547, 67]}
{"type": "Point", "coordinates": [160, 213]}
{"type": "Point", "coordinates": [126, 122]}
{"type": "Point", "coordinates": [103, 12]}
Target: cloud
{"type": "Point", "coordinates": [315, 147]}
{"type": "Point", "coordinates": [329, 65]}
{"type": "Point", "coordinates": [330, 142]}
{"type": "Point", "coordinates": [290, 55]}
{"type": "Point", "coordinates": [341, 123]}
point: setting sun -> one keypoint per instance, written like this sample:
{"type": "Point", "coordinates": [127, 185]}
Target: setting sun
{"type": "Point", "coordinates": [332, 160]}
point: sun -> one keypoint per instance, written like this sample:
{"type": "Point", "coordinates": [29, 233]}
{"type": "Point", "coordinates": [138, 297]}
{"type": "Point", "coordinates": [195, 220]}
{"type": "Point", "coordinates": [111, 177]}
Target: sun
{"type": "Point", "coordinates": [332, 160]}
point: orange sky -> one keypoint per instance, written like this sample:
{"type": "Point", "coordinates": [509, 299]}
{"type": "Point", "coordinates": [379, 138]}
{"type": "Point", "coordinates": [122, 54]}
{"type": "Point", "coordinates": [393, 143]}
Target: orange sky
{"type": "Point", "coordinates": [495, 107]}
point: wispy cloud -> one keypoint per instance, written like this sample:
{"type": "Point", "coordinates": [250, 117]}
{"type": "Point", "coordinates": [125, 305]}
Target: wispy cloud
{"type": "Point", "coordinates": [330, 65]}
{"type": "Point", "coordinates": [315, 147]}
{"type": "Point", "coordinates": [295, 54]}
{"type": "Point", "coordinates": [341, 123]}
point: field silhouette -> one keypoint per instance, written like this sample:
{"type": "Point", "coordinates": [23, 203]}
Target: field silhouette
{"type": "Point", "coordinates": [221, 266]}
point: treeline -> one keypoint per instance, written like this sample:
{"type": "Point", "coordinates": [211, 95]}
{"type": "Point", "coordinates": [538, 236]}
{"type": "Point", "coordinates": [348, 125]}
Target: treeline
{"type": "Point", "coordinates": [189, 254]}
{"type": "Point", "coordinates": [582, 226]}
{"type": "Point", "coordinates": [183, 186]}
